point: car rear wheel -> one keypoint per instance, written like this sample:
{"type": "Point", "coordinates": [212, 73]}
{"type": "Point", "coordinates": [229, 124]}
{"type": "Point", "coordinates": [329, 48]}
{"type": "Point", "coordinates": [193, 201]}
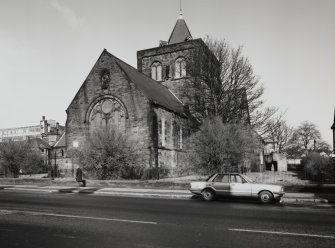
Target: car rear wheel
{"type": "Point", "coordinates": [265, 197]}
{"type": "Point", "coordinates": [208, 194]}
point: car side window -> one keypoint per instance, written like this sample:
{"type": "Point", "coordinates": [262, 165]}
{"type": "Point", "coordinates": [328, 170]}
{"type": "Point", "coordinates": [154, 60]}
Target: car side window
{"type": "Point", "coordinates": [237, 179]}
{"type": "Point", "coordinates": [233, 179]}
{"type": "Point", "coordinates": [221, 178]}
{"type": "Point", "coordinates": [225, 179]}
{"type": "Point", "coordinates": [218, 178]}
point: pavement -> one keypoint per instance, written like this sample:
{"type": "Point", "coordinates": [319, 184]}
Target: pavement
{"type": "Point", "coordinates": [310, 199]}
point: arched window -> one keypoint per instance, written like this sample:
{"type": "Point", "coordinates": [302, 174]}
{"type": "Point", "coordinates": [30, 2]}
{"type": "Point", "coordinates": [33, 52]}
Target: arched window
{"type": "Point", "coordinates": [177, 136]}
{"type": "Point", "coordinates": [156, 71]}
{"type": "Point", "coordinates": [180, 68]}
{"type": "Point", "coordinates": [107, 112]}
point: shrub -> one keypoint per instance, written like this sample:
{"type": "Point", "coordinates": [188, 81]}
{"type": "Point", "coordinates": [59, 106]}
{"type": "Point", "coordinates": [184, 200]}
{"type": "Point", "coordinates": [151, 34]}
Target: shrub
{"type": "Point", "coordinates": [110, 154]}
{"type": "Point", "coordinates": [319, 168]}
{"type": "Point", "coordinates": [21, 155]}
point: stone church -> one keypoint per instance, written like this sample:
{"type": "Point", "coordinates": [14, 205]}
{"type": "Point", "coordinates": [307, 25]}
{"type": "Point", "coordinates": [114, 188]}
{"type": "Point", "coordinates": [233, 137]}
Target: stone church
{"type": "Point", "coordinates": [146, 102]}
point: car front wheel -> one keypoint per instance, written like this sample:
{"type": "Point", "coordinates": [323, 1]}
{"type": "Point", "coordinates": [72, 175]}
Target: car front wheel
{"type": "Point", "coordinates": [265, 197]}
{"type": "Point", "coordinates": [208, 194]}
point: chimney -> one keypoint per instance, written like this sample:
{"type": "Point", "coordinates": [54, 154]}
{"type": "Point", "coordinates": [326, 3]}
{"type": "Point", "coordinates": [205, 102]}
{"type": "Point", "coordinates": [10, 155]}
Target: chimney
{"type": "Point", "coordinates": [57, 128]}
{"type": "Point", "coordinates": [45, 126]}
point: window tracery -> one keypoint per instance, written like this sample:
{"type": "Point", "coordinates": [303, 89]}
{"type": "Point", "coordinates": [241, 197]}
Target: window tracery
{"type": "Point", "coordinates": [108, 113]}
{"type": "Point", "coordinates": [180, 68]}
{"type": "Point", "coordinates": [156, 71]}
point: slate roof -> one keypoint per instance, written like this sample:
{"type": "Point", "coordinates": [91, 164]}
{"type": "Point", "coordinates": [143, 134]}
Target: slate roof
{"type": "Point", "coordinates": [40, 143]}
{"type": "Point", "coordinates": [180, 32]}
{"type": "Point", "coordinates": [60, 142]}
{"type": "Point", "coordinates": [153, 90]}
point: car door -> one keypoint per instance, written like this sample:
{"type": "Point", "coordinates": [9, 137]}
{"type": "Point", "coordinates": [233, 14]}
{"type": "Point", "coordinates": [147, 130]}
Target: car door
{"type": "Point", "coordinates": [239, 186]}
{"type": "Point", "coordinates": [221, 184]}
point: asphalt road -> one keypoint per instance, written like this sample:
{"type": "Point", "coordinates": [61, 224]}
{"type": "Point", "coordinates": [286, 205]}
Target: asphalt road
{"type": "Point", "coordinates": [80, 220]}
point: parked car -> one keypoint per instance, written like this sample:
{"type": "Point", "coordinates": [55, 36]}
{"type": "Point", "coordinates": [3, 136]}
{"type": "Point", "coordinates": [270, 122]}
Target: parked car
{"type": "Point", "coordinates": [237, 185]}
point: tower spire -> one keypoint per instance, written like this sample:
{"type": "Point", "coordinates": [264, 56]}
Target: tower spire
{"type": "Point", "coordinates": [180, 31]}
{"type": "Point", "coordinates": [180, 9]}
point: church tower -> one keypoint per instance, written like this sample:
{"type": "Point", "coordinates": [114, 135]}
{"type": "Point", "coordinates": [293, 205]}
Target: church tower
{"type": "Point", "coordinates": [172, 63]}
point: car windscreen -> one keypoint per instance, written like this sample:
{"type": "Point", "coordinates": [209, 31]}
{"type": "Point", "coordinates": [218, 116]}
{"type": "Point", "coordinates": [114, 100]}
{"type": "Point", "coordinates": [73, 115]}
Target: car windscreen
{"type": "Point", "coordinates": [248, 179]}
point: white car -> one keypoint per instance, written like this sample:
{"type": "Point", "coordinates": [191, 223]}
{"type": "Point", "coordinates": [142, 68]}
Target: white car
{"type": "Point", "coordinates": [235, 184]}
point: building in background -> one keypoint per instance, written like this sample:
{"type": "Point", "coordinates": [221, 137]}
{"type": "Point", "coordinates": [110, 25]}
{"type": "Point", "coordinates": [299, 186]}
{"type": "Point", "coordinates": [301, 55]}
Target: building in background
{"type": "Point", "coordinates": [49, 130]}
{"type": "Point", "coordinates": [274, 160]}
{"type": "Point", "coordinates": [59, 159]}
{"type": "Point", "coordinates": [20, 133]}
{"type": "Point", "coordinates": [42, 137]}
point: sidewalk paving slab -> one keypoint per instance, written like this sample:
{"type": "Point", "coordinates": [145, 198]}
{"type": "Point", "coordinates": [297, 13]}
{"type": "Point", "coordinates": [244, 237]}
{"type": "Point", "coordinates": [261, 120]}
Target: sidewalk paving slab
{"type": "Point", "coordinates": [300, 195]}
{"type": "Point", "coordinates": [148, 195]}
{"type": "Point", "coordinates": [304, 200]}
{"type": "Point", "coordinates": [146, 190]}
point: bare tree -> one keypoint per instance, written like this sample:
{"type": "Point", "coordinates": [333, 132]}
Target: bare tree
{"type": "Point", "coordinates": [222, 147]}
{"type": "Point", "coordinates": [21, 155]}
{"type": "Point", "coordinates": [305, 135]}
{"type": "Point", "coordinates": [280, 133]}
{"type": "Point", "coordinates": [322, 146]}
{"type": "Point", "coordinates": [224, 84]}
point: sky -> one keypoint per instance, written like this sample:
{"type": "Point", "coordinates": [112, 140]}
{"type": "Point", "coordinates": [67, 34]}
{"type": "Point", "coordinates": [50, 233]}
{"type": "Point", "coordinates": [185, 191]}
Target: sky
{"type": "Point", "coordinates": [48, 47]}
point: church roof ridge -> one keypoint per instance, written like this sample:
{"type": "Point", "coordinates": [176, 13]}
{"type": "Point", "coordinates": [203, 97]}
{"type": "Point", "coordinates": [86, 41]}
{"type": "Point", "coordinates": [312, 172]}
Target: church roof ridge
{"type": "Point", "coordinates": [41, 143]}
{"type": "Point", "coordinates": [60, 142]}
{"type": "Point", "coordinates": [153, 90]}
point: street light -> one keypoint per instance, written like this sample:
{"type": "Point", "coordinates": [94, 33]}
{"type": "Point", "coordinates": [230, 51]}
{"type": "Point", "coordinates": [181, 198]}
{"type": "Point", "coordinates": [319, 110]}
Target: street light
{"type": "Point", "coordinates": [75, 144]}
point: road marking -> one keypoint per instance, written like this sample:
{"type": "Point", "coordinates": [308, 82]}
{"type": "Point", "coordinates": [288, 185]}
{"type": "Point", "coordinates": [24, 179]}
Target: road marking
{"type": "Point", "coordinates": [94, 218]}
{"type": "Point", "coordinates": [284, 233]}
{"type": "Point", "coordinates": [76, 216]}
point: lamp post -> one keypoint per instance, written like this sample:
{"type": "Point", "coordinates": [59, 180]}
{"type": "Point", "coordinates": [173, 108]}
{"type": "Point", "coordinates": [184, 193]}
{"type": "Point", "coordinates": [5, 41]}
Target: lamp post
{"type": "Point", "coordinates": [75, 145]}
{"type": "Point", "coordinates": [55, 166]}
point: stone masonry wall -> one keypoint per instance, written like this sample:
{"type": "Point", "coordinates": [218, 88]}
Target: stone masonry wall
{"type": "Point", "coordinates": [135, 103]}
{"type": "Point", "coordinates": [199, 59]}
{"type": "Point", "coordinates": [171, 137]}
{"type": "Point", "coordinates": [167, 56]}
